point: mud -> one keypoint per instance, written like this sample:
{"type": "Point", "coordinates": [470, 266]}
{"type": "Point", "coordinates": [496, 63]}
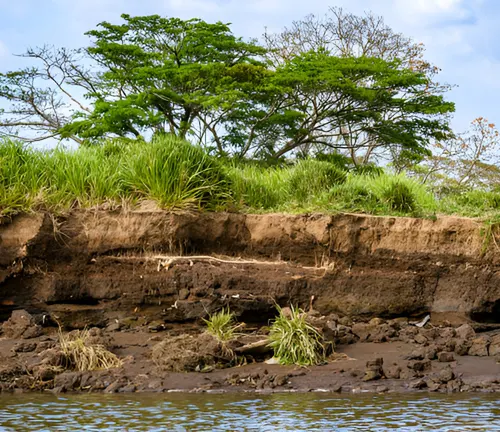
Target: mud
{"type": "Point", "coordinates": [147, 277]}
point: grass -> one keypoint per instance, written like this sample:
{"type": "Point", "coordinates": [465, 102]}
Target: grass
{"type": "Point", "coordinates": [82, 355]}
{"type": "Point", "coordinates": [222, 325]}
{"type": "Point", "coordinates": [295, 341]}
{"type": "Point", "coordinates": [177, 175]}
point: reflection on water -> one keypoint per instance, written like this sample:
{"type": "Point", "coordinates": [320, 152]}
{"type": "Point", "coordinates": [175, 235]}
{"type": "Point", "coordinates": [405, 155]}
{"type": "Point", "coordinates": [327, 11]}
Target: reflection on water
{"type": "Point", "coordinates": [280, 412]}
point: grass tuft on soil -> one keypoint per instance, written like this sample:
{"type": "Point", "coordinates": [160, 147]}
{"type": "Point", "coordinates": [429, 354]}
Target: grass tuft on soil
{"type": "Point", "coordinates": [295, 341]}
{"type": "Point", "coordinates": [82, 354]}
{"type": "Point", "coordinates": [222, 325]}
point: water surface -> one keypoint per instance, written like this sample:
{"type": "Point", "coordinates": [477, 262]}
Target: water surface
{"type": "Point", "coordinates": [277, 412]}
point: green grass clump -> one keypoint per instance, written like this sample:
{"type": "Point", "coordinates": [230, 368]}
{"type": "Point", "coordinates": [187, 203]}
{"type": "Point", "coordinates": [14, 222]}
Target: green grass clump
{"type": "Point", "coordinates": [311, 177]}
{"type": "Point", "coordinates": [222, 325]}
{"type": "Point", "coordinates": [295, 341]}
{"type": "Point", "coordinates": [175, 174]}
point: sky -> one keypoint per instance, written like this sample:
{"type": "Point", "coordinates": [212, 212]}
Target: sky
{"type": "Point", "coordinates": [462, 37]}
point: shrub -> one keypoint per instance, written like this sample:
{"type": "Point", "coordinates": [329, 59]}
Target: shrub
{"type": "Point", "coordinates": [81, 354]}
{"type": "Point", "coordinates": [295, 341]}
{"type": "Point", "coordinates": [222, 325]}
{"type": "Point", "coordinates": [399, 197]}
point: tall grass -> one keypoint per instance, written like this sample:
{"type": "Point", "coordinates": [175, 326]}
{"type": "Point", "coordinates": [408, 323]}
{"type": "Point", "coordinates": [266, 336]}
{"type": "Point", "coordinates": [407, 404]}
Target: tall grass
{"type": "Point", "coordinates": [295, 341]}
{"type": "Point", "coordinates": [222, 325]}
{"type": "Point", "coordinates": [176, 174]}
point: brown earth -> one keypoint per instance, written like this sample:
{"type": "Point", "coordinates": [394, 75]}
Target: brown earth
{"type": "Point", "coordinates": [133, 273]}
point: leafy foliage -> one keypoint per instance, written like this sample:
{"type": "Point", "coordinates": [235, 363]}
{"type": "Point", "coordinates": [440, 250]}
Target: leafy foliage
{"type": "Point", "coordinates": [295, 341]}
{"type": "Point", "coordinates": [222, 325]}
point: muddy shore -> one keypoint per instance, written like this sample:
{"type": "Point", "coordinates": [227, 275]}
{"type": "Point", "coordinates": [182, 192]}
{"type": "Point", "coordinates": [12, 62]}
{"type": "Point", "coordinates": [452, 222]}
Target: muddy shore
{"type": "Point", "coordinates": [141, 278]}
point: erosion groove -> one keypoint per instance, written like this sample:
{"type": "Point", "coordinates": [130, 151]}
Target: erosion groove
{"type": "Point", "coordinates": [88, 268]}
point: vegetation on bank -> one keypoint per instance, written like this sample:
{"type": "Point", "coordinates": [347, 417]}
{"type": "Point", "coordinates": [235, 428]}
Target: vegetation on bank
{"type": "Point", "coordinates": [177, 175]}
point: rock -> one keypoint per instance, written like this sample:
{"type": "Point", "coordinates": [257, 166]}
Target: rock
{"type": "Point", "coordinates": [113, 326]}
{"type": "Point", "coordinates": [480, 346]}
{"type": "Point", "coordinates": [408, 334]}
{"type": "Point", "coordinates": [420, 339]}
{"type": "Point", "coordinates": [431, 352]}
{"type": "Point", "coordinates": [21, 324]}
{"type": "Point", "coordinates": [45, 373]}
{"type": "Point", "coordinates": [372, 375]}
{"type": "Point", "coordinates": [446, 374]}
{"type": "Point", "coordinates": [68, 380]}
{"type": "Point", "coordinates": [447, 333]}
{"type": "Point", "coordinates": [454, 386]}
{"type": "Point", "coordinates": [115, 386]}
{"type": "Point", "coordinates": [345, 321]}
{"type": "Point", "coordinates": [420, 366]}
{"type": "Point", "coordinates": [374, 370]}
{"type": "Point", "coordinates": [417, 354]}
{"type": "Point", "coordinates": [465, 332]}
{"type": "Point", "coordinates": [446, 357]}
{"type": "Point", "coordinates": [494, 348]}
{"type": "Point", "coordinates": [382, 389]}
{"type": "Point", "coordinates": [462, 346]}
{"type": "Point", "coordinates": [450, 345]}
{"type": "Point", "coordinates": [130, 388]}
{"type": "Point", "coordinates": [281, 380]}
{"type": "Point", "coordinates": [393, 372]}
{"type": "Point", "coordinates": [429, 333]}
{"type": "Point", "coordinates": [376, 322]}
{"type": "Point", "coordinates": [432, 386]}
{"type": "Point", "coordinates": [24, 347]}
{"type": "Point", "coordinates": [374, 332]}
{"type": "Point", "coordinates": [418, 384]}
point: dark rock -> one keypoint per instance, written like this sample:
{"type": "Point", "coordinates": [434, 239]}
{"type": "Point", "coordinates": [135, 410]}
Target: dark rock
{"type": "Point", "coordinates": [408, 334]}
{"type": "Point", "coordinates": [446, 374]}
{"type": "Point", "coordinates": [24, 347]}
{"type": "Point", "coordinates": [480, 346]}
{"type": "Point", "coordinates": [115, 386]}
{"type": "Point", "coordinates": [130, 388]}
{"type": "Point", "coordinates": [432, 386]}
{"type": "Point", "coordinates": [183, 294]}
{"type": "Point", "coordinates": [374, 370]}
{"type": "Point", "coordinates": [393, 372]}
{"type": "Point", "coordinates": [454, 386]}
{"type": "Point", "coordinates": [431, 352]}
{"type": "Point", "coordinates": [281, 380]}
{"type": "Point", "coordinates": [21, 324]}
{"type": "Point", "coordinates": [462, 346]}
{"type": "Point", "coordinates": [45, 373]}
{"type": "Point", "coordinates": [68, 380]}
{"type": "Point", "coordinates": [420, 366]}
{"type": "Point", "coordinates": [417, 354]}
{"type": "Point", "coordinates": [446, 357]}
{"type": "Point", "coordinates": [418, 384]}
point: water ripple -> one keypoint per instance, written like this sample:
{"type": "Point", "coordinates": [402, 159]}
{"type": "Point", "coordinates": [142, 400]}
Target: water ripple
{"type": "Point", "coordinates": [278, 412]}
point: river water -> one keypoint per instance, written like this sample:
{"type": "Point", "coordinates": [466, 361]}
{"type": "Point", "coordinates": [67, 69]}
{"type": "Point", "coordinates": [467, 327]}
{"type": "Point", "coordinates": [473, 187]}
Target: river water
{"type": "Point", "coordinates": [277, 412]}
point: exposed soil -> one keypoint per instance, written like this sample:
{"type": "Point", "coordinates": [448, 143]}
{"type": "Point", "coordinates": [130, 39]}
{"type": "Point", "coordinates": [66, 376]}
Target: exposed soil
{"type": "Point", "coordinates": [146, 277]}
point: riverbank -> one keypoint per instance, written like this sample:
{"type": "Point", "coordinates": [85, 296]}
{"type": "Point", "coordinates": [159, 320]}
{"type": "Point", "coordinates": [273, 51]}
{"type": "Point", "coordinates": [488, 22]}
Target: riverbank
{"type": "Point", "coordinates": [144, 277]}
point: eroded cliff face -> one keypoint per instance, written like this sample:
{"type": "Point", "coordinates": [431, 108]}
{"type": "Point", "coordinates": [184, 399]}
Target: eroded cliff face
{"type": "Point", "coordinates": [91, 267]}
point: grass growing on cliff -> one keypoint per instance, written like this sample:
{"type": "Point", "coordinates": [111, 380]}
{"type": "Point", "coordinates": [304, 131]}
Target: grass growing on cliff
{"type": "Point", "coordinates": [177, 175]}
{"type": "Point", "coordinates": [81, 354]}
{"type": "Point", "coordinates": [222, 325]}
{"type": "Point", "coordinates": [295, 341]}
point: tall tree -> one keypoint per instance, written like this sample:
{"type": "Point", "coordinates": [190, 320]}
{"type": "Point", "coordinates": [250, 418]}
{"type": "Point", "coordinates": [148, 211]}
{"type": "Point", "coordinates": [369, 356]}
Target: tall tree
{"type": "Point", "coordinates": [343, 34]}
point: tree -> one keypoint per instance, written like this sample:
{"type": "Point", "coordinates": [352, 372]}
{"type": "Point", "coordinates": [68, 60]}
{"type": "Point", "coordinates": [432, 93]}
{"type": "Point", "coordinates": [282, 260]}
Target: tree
{"type": "Point", "coordinates": [163, 75]}
{"type": "Point", "coordinates": [42, 99]}
{"type": "Point", "coordinates": [316, 99]}
{"type": "Point", "coordinates": [342, 34]}
{"type": "Point", "coordinates": [466, 160]}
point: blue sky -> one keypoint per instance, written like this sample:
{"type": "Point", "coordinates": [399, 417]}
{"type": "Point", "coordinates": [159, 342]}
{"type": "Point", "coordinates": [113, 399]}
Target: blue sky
{"type": "Point", "coordinates": [462, 36]}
